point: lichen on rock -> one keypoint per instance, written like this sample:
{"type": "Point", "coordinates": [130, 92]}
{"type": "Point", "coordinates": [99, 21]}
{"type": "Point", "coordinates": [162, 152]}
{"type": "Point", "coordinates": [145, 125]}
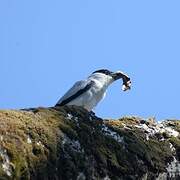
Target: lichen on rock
{"type": "Point", "coordinates": [70, 143]}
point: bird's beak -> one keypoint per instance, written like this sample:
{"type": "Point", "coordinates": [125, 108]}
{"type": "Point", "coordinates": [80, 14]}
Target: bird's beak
{"type": "Point", "coordinates": [117, 75]}
{"type": "Point", "coordinates": [126, 80]}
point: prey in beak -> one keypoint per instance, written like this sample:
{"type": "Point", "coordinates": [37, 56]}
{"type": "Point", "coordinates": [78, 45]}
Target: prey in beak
{"type": "Point", "coordinates": [126, 80]}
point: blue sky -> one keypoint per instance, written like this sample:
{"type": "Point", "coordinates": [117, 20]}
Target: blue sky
{"type": "Point", "coordinates": [45, 46]}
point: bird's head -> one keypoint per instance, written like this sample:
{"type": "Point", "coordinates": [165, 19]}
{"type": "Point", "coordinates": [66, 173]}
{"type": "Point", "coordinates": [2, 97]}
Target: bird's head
{"type": "Point", "coordinates": [113, 76]}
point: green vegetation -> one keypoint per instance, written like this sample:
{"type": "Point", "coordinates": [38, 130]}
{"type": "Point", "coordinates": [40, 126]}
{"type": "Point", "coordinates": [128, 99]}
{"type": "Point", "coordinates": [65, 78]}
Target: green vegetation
{"type": "Point", "coordinates": [66, 143]}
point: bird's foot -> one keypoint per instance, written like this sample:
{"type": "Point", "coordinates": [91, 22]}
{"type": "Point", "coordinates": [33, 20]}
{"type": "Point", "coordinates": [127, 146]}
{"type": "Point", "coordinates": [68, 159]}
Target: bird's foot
{"type": "Point", "coordinates": [92, 114]}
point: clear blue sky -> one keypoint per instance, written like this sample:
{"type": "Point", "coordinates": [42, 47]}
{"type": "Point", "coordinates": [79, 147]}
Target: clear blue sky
{"type": "Point", "coordinates": [45, 46]}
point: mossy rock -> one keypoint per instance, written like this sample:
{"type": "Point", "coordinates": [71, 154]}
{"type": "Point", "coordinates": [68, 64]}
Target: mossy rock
{"type": "Point", "coordinates": [70, 143]}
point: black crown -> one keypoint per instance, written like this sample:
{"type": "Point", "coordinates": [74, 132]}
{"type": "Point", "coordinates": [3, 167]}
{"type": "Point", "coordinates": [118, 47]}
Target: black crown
{"type": "Point", "coordinates": [103, 71]}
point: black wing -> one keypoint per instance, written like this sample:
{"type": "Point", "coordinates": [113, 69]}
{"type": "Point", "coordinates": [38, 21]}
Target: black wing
{"type": "Point", "coordinates": [65, 101]}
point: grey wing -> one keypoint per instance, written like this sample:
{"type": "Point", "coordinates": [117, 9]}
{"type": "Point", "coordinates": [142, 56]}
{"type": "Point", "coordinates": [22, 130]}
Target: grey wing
{"type": "Point", "coordinates": [77, 89]}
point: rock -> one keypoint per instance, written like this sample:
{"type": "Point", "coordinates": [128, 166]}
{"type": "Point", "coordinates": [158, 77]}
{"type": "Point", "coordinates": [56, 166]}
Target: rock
{"type": "Point", "coordinates": [70, 143]}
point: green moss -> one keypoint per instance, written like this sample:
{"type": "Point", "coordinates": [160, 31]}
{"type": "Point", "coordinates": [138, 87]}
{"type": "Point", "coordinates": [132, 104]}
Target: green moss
{"type": "Point", "coordinates": [154, 154]}
{"type": "Point", "coordinates": [42, 128]}
{"type": "Point", "coordinates": [176, 143]}
{"type": "Point", "coordinates": [48, 156]}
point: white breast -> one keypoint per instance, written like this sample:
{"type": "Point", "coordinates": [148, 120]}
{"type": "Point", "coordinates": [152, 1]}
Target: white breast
{"type": "Point", "coordinates": [94, 95]}
{"type": "Point", "coordinates": [91, 98]}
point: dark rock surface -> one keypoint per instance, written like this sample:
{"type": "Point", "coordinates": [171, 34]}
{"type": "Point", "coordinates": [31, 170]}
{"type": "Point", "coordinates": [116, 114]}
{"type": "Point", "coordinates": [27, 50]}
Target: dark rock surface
{"type": "Point", "coordinates": [69, 143]}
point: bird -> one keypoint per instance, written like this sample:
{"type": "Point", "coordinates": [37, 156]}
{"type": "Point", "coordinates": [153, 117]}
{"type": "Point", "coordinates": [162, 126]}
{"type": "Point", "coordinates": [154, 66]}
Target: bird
{"type": "Point", "coordinates": [87, 93]}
